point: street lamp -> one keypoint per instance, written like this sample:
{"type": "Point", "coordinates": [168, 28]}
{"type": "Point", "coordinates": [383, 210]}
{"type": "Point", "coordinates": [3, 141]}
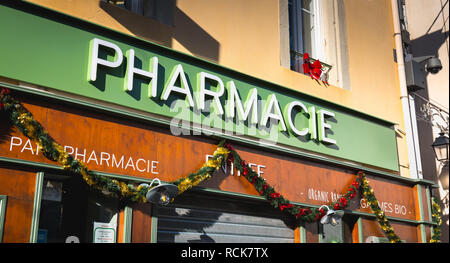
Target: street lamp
{"type": "Point", "coordinates": [440, 147]}
{"type": "Point", "coordinates": [332, 217]}
{"type": "Point", "coordinates": [161, 194]}
{"type": "Point", "coordinates": [443, 176]}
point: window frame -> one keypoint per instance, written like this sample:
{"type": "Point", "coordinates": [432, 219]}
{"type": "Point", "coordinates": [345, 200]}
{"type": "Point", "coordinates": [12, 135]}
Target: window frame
{"type": "Point", "coordinates": [296, 32]}
{"type": "Point", "coordinates": [3, 200]}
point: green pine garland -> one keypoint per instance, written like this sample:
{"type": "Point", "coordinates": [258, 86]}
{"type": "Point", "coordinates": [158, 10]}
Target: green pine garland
{"type": "Point", "coordinates": [368, 193]}
{"type": "Point", "coordinates": [20, 117]}
{"type": "Point", "coordinates": [278, 201]}
{"type": "Point", "coordinates": [436, 217]}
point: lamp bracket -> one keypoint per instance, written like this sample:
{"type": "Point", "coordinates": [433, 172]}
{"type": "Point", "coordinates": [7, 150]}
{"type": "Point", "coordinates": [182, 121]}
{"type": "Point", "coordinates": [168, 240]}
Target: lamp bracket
{"type": "Point", "coordinates": [431, 112]}
{"type": "Point", "coordinates": [422, 58]}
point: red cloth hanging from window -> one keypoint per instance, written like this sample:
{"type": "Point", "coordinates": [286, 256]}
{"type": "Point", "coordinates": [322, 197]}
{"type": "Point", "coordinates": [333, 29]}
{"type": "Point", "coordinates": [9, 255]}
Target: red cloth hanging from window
{"type": "Point", "coordinates": [306, 64]}
{"type": "Point", "coordinates": [314, 70]}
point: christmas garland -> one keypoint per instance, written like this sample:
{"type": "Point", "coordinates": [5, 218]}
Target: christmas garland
{"type": "Point", "coordinates": [205, 172]}
{"type": "Point", "coordinates": [436, 217]}
{"type": "Point", "coordinates": [24, 121]}
{"type": "Point", "coordinates": [278, 201]}
{"type": "Point", "coordinates": [368, 193]}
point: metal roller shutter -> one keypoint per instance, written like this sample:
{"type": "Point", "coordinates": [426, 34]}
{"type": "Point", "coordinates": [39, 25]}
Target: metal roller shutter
{"type": "Point", "coordinates": [218, 219]}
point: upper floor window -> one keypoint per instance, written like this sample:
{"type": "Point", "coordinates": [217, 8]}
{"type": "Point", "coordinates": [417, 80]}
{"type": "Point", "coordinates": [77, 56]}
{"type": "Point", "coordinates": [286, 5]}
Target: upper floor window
{"type": "Point", "coordinates": [316, 27]}
{"type": "Point", "coordinates": [305, 31]}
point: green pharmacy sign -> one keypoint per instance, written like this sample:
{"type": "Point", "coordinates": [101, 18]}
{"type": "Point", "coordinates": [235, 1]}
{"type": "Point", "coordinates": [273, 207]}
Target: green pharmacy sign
{"type": "Point", "coordinates": [74, 56]}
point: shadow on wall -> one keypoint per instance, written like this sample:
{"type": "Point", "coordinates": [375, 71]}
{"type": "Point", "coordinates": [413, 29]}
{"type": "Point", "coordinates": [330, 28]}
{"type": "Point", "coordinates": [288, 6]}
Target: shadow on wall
{"type": "Point", "coordinates": [161, 29]}
{"type": "Point", "coordinates": [427, 44]}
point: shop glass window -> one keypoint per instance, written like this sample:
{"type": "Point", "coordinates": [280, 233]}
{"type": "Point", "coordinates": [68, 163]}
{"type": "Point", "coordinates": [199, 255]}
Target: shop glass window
{"type": "Point", "coordinates": [73, 213]}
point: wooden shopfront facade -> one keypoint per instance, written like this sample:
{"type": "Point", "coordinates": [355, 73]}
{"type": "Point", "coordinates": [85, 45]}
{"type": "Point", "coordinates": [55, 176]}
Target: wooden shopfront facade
{"type": "Point", "coordinates": [135, 111]}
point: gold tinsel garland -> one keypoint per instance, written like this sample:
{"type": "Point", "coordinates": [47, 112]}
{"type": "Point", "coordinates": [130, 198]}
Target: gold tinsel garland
{"type": "Point", "coordinates": [205, 171]}
{"type": "Point", "coordinates": [368, 193]}
{"type": "Point", "coordinates": [25, 122]}
{"type": "Point", "coordinates": [436, 217]}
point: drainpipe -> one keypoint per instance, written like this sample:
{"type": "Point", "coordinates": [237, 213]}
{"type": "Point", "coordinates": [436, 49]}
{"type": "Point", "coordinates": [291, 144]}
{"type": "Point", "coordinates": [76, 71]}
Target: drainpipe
{"type": "Point", "coordinates": [413, 165]}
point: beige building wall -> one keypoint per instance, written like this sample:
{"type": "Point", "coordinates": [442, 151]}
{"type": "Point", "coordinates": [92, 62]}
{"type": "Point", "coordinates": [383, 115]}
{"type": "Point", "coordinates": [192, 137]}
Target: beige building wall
{"type": "Point", "coordinates": [246, 36]}
{"type": "Point", "coordinates": [428, 25]}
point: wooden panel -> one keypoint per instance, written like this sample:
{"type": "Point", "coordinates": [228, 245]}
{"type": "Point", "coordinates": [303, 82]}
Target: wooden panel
{"type": "Point", "coordinates": [395, 199]}
{"type": "Point", "coordinates": [405, 231]}
{"type": "Point", "coordinates": [19, 187]}
{"type": "Point", "coordinates": [355, 234]}
{"type": "Point", "coordinates": [297, 234]}
{"type": "Point", "coordinates": [120, 226]}
{"type": "Point", "coordinates": [428, 233]}
{"type": "Point", "coordinates": [426, 208]}
{"type": "Point", "coordinates": [142, 223]}
{"type": "Point", "coordinates": [113, 145]}
{"type": "Point", "coordinates": [312, 232]}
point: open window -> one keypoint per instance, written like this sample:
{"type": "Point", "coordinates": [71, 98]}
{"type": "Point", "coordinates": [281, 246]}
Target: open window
{"type": "Point", "coordinates": [318, 28]}
{"type": "Point", "coordinates": [305, 31]}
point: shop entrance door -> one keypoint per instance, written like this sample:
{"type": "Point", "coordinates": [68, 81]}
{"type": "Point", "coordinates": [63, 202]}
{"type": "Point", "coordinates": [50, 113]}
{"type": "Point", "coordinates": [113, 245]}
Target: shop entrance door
{"type": "Point", "coordinates": [211, 218]}
{"type": "Point", "coordinates": [73, 213]}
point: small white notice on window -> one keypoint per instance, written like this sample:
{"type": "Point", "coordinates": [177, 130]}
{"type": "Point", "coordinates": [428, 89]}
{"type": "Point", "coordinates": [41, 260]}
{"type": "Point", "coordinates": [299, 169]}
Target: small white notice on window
{"type": "Point", "coordinates": [104, 232]}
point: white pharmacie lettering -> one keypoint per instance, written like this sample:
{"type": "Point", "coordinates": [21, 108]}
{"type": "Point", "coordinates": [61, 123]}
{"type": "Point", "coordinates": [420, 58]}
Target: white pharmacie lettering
{"type": "Point", "coordinates": [15, 141]}
{"type": "Point", "coordinates": [132, 70]}
{"type": "Point", "coordinates": [77, 155]}
{"type": "Point", "coordinates": [30, 148]}
{"type": "Point", "coordinates": [153, 169]}
{"type": "Point", "coordinates": [178, 72]}
{"type": "Point", "coordinates": [130, 163]}
{"type": "Point", "coordinates": [234, 102]}
{"type": "Point", "coordinates": [114, 161]}
{"type": "Point", "coordinates": [288, 114]}
{"type": "Point", "coordinates": [95, 157]}
{"type": "Point", "coordinates": [104, 159]}
{"type": "Point", "coordinates": [272, 105]}
{"type": "Point", "coordinates": [66, 149]}
{"type": "Point", "coordinates": [246, 117]}
{"type": "Point", "coordinates": [95, 60]}
{"type": "Point", "coordinates": [201, 89]}
{"type": "Point", "coordinates": [137, 164]}
{"type": "Point", "coordinates": [325, 126]}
